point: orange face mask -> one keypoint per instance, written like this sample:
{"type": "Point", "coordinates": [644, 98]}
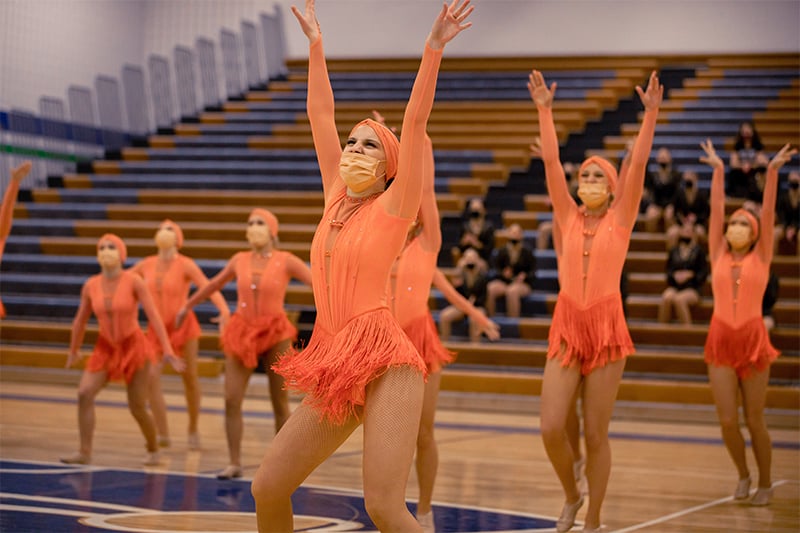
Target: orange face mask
{"type": "Point", "coordinates": [358, 171]}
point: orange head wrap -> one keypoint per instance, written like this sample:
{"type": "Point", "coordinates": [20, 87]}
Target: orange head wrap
{"type": "Point", "coordinates": [176, 228]}
{"type": "Point", "coordinates": [270, 219]}
{"type": "Point", "coordinates": [608, 169]}
{"type": "Point", "coordinates": [391, 146]}
{"type": "Point", "coordinates": [118, 243]}
{"type": "Point", "coordinates": [750, 218]}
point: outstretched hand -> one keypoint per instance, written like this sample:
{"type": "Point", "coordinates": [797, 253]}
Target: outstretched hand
{"type": "Point", "coordinates": [491, 330]}
{"type": "Point", "coordinates": [308, 21]}
{"type": "Point", "coordinates": [711, 158]}
{"type": "Point", "coordinates": [783, 156]}
{"type": "Point", "coordinates": [651, 98]}
{"type": "Point", "coordinates": [72, 358]}
{"type": "Point", "coordinates": [380, 119]}
{"type": "Point", "coordinates": [18, 173]}
{"type": "Point", "coordinates": [449, 23]}
{"type": "Point", "coordinates": [541, 95]}
{"type": "Point", "coordinates": [175, 362]}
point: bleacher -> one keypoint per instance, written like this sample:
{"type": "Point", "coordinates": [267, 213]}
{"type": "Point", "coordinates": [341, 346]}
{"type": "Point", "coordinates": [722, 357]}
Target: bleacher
{"type": "Point", "coordinates": [207, 173]}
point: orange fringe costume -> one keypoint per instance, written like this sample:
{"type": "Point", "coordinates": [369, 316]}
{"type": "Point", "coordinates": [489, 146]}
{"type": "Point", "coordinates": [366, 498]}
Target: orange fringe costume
{"type": "Point", "coordinates": [737, 336]}
{"type": "Point", "coordinates": [260, 321]}
{"type": "Point", "coordinates": [170, 291]}
{"type": "Point", "coordinates": [121, 348]}
{"type": "Point", "coordinates": [6, 219]}
{"type": "Point", "coordinates": [356, 338]}
{"type": "Point", "coordinates": [588, 327]}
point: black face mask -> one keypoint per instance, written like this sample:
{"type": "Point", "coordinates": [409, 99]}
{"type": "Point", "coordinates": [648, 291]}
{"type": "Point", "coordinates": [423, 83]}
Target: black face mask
{"type": "Point", "coordinates": [663, 165]}
{"type": "Point", "coordinates": [513, 242]}
{"type": "Point", "coordinates": [469, 266]}
{"type": "Point", "coordinates": [688, 185]}
{"type": "Point", "coordinates": [475, 214]}
{"type": "Point", "coordinates": [684, 240]}
{"type": "Point", "coordinates": [794, 185]}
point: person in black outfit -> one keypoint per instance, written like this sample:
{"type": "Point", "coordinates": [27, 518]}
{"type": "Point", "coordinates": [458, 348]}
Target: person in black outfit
{"type": "Point", "coordinates": [514, 273]}
{"type": "Point", "coordinates": [788, 213]}
{"type": "Point", "coordinates": [476, 232]}
{"type": "Point", "coordinates": [660, 188]}
{"type": "Point", "coordinates": [687, 271]}
{"type": "Point", "coordinates": [746, 160]}
{"type": "Point", "coordinates": [689, 206]}
{"type": "Point", "coordinates": [470, 280]}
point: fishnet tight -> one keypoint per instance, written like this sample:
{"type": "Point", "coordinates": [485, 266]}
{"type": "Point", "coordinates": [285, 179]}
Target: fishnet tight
{"type": "Point", "coordinates": [391, 418]}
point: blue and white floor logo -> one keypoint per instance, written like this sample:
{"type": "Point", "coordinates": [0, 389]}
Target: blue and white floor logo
{"type": "Point", "coordinates": [38, 497]}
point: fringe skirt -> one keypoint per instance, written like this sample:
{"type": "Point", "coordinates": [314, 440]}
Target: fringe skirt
{"type": "Point", "coordinates": [423, 333]}
{"type": "Point", "coordinates": [248, 340]}
{"type": "Point", "coordinates": [190, 329]}
{"type": "Point", "coordinates": [120, 360]}
{"type": "Point", "coordinates": [335, 368]}
{"type": "Point", "coordinates": [744, 348]}
{"type": "Point", "coordinates": [592, 336]}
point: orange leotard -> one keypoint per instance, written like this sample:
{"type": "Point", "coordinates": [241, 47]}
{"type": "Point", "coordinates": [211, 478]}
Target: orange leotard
{"type": "Point", "coordinates": [6, 219]}
{"type": "Point", "coordinates": [260, 321]}
{"type": "Point", "coordinates": [121, 348]}
{"type": "Point", "coordinates": [170, 290]}
{"type": "Point", "coordinates": [737, 336]}
{"type": "Point", "coordinates": [588, 326]}
{"type": "Point", "coordinates": [356, 338]}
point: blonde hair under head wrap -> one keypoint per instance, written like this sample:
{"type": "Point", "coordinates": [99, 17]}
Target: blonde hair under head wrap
{"type": "Point", "coordinates": [270, 219]}
{"type": "Point", "coordinates": [391, 146]}
{"type": "Point", "coordinates": [176, 228]}
{"type": "Point", "coordinates": [608, 169]}
{"type": "Point", "coordinates": [118, 243]}
{"type": "Point", "coordinates": [754, 225]}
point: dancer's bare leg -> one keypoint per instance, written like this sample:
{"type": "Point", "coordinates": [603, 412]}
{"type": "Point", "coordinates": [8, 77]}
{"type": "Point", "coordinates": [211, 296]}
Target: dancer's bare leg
{"type": "Point", "coordinates": [599, 394]}
{"type": "Point", "coordinates": [237, 376]}
{"type": "Point", "coordinates": [754, 397]}
{"type": "Point", "coordinates": [191, 384]}
{"type": "Point", "coordinates": [277, 393]}
{"type": "Point", "coordinates": [137, 403]}
{"type": "Point", "coordinates": [427, 451]}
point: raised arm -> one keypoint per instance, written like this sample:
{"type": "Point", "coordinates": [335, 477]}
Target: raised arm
{"type": "Point", "coordinates": [491, 329]}
{"type": "Point", "coordinates": [716, 221]}
{"type": "Point", "coordinates": [431, 236]}
{"type": "Point", "coordinates": [630, 195]}
{"type": "Point", "coordinates": [557, 187]}
{"type": "Point", "coordinates": [403, 197]}
{"type": "Point", "coordinates": [10, 199]}
{"type": "Point", "coordinates": [764, 246]}
{"type": "Point", "coordinates": [319, 101]}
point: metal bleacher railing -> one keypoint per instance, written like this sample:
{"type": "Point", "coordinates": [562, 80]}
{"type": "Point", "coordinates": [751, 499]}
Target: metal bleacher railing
{"type": "Point", "coordinates": [111, 115]}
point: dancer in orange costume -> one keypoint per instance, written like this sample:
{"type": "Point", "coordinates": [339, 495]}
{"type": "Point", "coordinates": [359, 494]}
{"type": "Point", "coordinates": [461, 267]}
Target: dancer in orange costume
{"type": "Point", "coordinates": [359, 366]}
{"type": "Point", "coordinates": [7, 210]}
{"type": "Point", "coordinates": [589, 339]}
{"type": "Point", "coordinates": [259, 331]}
{"type": "Point", "coordinates": [738, 350]}
{"type": "Point", "coordinates": [169, 276]}
{"type": "Point", "coordinates": [410, 283]}
{"type": "Point", "coordinates": [122, 351]}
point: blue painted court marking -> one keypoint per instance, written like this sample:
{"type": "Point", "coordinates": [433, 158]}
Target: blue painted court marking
{"type": "Point", "coordinates": [39, 496]}
{"type": "Point", "coordinates": [776, 444]}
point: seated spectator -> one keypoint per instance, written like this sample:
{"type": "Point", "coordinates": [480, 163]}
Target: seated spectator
{"type": "Point", "coordinates": [788, 216]}
{"type": "Point", "coordinates": [476, 232]}
{"type": "Point", "coordinates": [514, 272]}
{"type": "Point", "coordinates": [747, 155]}
{"type": "Point", "coordinates": [689, 206]}
{"type": "Point", "coordinates": [687, 270]}
{"type": "Point", "coordinates": [470, 280]}
{"type": "Point", "coordinates": [768, 302]}
{"type": "Point", "coordinates": [660, 189]}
